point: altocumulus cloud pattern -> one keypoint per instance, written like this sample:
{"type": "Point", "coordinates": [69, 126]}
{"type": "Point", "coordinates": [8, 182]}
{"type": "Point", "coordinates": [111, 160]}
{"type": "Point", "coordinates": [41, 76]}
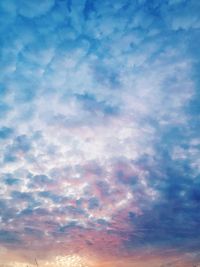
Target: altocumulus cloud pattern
{"type": "Point", "coordinates": [99, 132]}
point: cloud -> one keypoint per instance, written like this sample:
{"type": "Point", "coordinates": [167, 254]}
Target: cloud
{"type": "Point", "coordinates": [31, 10]}
{"type": "Point", "coordinates": [9, 237]}
{"type": "Point", "coordinates": [187, 18]}
{"type": "Point", "coordinates": [99, 122]}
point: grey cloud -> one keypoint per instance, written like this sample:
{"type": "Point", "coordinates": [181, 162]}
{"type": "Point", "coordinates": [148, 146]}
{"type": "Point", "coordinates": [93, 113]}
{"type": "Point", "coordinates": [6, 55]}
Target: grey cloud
{"type": "Point", "coordinates": [8, 237]}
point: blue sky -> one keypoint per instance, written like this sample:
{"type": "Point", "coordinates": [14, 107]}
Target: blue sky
{"type": "Point", "coordinates": [99, 124]}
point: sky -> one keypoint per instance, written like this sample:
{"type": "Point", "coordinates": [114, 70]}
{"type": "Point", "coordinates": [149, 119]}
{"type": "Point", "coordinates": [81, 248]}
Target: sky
{"type": "Point", "coordinates": [99, 133]}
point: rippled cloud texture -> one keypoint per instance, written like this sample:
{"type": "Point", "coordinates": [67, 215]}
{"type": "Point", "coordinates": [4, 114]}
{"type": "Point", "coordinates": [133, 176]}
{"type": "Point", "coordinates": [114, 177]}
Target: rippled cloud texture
{"type": "Point", "coordinates": [99, 125]}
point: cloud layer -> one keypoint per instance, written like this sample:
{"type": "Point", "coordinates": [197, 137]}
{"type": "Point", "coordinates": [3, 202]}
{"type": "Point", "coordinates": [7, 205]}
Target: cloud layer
{"type": "Point", "coordinates": [99, 124]}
